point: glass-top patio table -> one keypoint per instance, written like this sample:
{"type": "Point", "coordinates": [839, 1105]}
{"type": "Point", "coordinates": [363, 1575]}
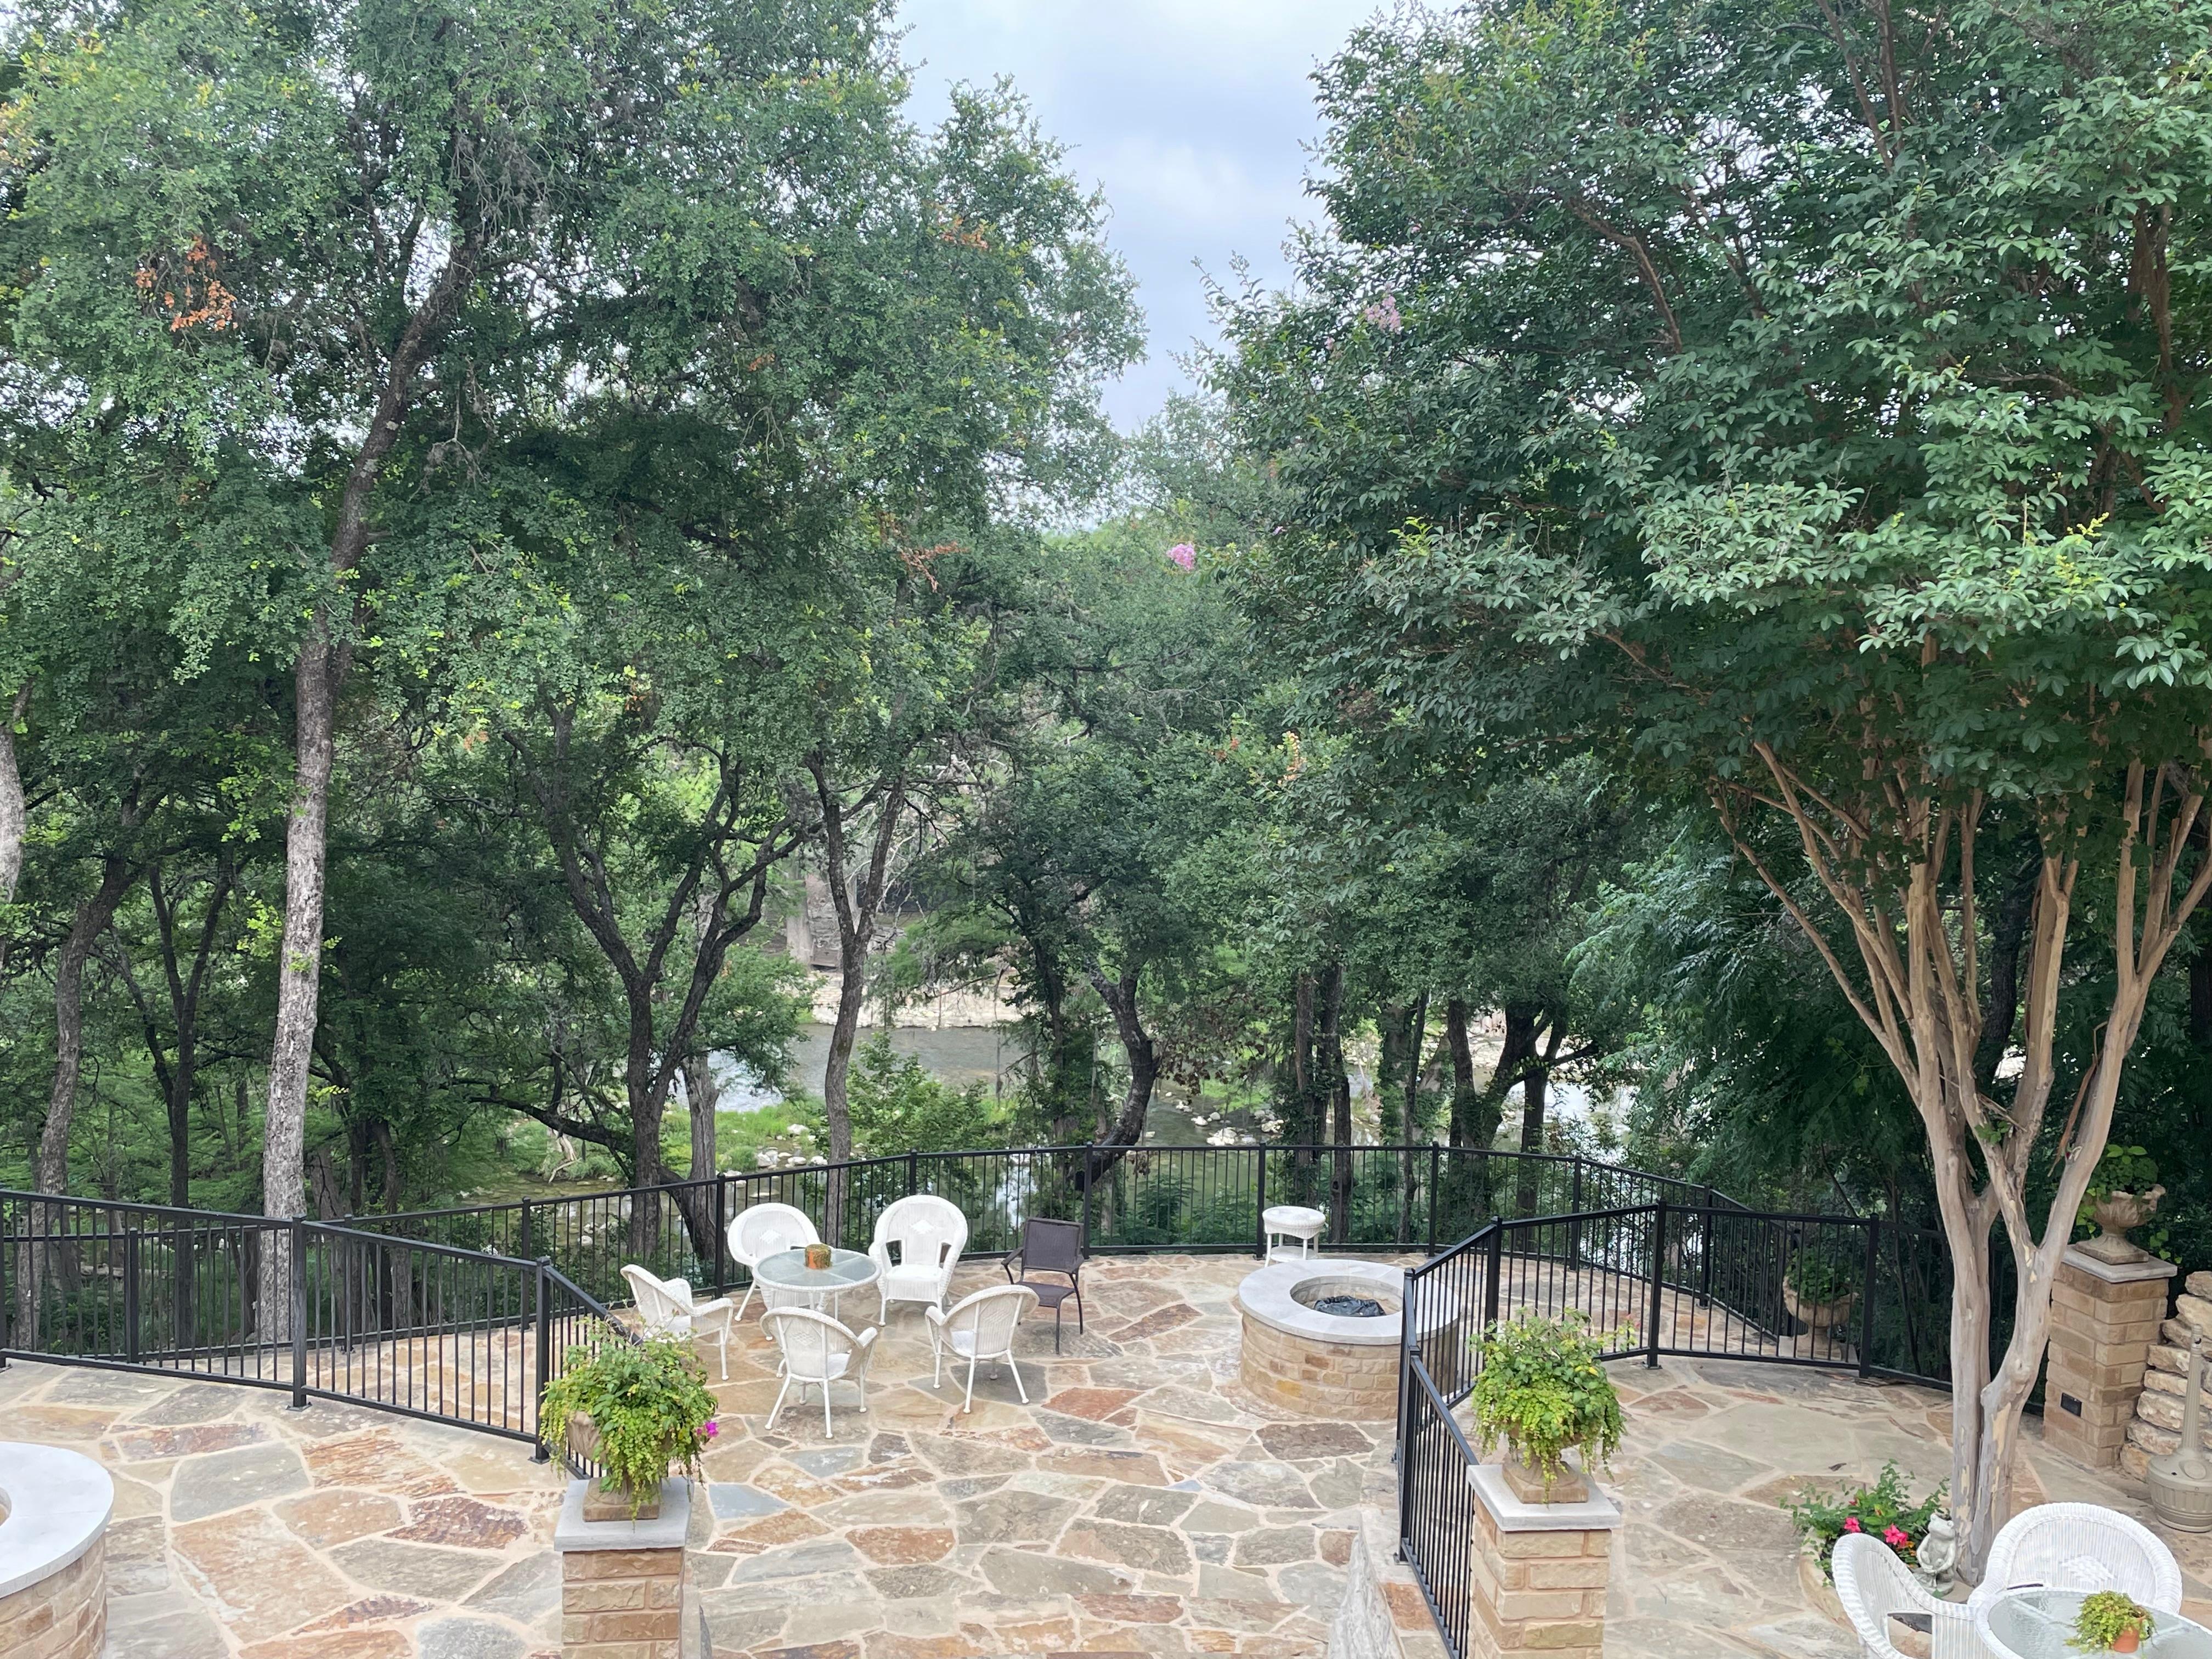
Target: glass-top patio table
{"type": "Point", "coordinates": [788, 1282]}
{"type": "Point", "coordinates": [2038, 1623]}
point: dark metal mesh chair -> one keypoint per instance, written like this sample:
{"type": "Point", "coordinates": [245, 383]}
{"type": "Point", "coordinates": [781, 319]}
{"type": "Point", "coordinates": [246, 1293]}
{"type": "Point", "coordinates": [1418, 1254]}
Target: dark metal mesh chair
{"type": "Point", "coordinates": [1050, 1247]}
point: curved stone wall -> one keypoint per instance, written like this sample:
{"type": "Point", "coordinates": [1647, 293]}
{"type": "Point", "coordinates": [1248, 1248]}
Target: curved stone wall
{"type": "Point", "coordinates": [1325, 1365]}
{"type": "Point", "coordinates": [53, 1559]}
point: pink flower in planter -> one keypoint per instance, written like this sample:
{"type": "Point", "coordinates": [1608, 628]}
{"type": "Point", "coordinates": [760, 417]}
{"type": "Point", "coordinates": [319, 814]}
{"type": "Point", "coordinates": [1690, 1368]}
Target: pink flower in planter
{"type": "Point", "coordinates": [1183, 554]}
{"type": "Point", "coordinates": [1896, 1538]}
{"type": "Point", "coordinates": [1851, 1523]}
{"type": "Point", "coordinates": [708, 1430]}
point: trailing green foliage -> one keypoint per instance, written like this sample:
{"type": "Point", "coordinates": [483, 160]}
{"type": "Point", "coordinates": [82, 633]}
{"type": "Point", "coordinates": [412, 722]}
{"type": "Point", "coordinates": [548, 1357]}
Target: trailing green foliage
{"type": "Point", "coordinates": [1542, 1390]}
{"type": "Point", "coordinates": [649, 1401]}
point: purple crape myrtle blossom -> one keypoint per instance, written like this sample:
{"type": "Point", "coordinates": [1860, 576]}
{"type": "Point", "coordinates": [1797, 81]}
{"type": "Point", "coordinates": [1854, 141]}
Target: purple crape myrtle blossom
{"type": "Point", "coordinates": [1383, 314]}
{"type": "Point", "coordinates": [1183, 554]}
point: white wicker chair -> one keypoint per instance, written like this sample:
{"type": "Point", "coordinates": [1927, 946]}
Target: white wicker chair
{"type": "Point", "coordinates": [668, 1309]}
{"type": "Point", "coordinates": [2083, 1546]}
{"type": "Point", "coordinates": [1873, 1583]}
{"type": "Point", "coordinates": [817, 1352]}
{"type": "Point", "coordinates": [980, 1326]}
{"type": "Point", "coordinates": [762, 1230]}
{"type": "Point", "coordinates": [930, 1234]}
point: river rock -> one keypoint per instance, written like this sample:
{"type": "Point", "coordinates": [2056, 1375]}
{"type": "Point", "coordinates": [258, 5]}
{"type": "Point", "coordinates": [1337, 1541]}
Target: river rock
{"type": "Point", "coordinates": [2199, 1283]}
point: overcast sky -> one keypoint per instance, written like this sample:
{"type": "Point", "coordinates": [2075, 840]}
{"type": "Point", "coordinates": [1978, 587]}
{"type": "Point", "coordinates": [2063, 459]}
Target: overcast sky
{"type": "Point", "coordinates": [1193, 115]}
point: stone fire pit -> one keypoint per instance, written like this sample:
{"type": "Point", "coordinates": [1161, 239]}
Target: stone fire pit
{"type": "Point", "coordinates": [1337, 1365]}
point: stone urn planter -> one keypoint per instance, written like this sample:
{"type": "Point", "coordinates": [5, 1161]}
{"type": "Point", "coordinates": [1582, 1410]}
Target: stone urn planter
{"type": "Point", "coordinates": [1820, 1317]}
{"type": "Point", "coordinates": [622, 1503]}
{"type": "Point", "coordinates": [1571, 1486]}
{"type": "Point", "coordinates": [2116, 1213]}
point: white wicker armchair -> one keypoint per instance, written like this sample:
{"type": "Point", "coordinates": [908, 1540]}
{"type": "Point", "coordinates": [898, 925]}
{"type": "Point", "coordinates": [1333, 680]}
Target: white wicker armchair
{"type": "Point", "coordinates": [817, 1352]}
{"type": "Point", "coordinates": [980, 1328]}
{"type": "Point", "coordinates": [667, 1309]}
{"type": "Point", "coordinates": [1872, 1583]}
{"type": "Point", "coordinates": [762, 1230]}
{"type": "Point", "coordinates": [2081, 1547]}
{"type": "Point", "coordinates": [929, 1234]}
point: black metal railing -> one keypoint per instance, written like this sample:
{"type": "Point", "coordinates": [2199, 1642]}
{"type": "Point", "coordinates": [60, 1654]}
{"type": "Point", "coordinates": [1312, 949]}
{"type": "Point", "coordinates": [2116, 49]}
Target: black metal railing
{"type": "Point", "coordinates": [1713, 1281]}
{"type": "Point", "coordinates": [468, 1337]}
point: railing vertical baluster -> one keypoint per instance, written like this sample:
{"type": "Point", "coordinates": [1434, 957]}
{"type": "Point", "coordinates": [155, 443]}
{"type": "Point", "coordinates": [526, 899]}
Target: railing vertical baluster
{"type": "Point", "coordinates": [1492, 1271]}
{"type": "Point", "coordinates": [130, 1345]}
{"type": "Point", "coordinates": [1436, 1191]}
{"type": "Point", "coordinates": [721, 1229]}
{"type": "Point", "coordinates": [1658, 1277]}
{"type": "Point", "coordinates": [299, 1287]}
{"type": "Point", "coordinates": [1259, 1208]}
{"type": "Point", "coordinates": [1866, 1299]}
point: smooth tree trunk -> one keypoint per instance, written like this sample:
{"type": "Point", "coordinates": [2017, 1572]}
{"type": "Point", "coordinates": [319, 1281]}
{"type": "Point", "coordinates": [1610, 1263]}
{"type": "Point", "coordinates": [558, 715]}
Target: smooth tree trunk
{"type": "Point", "coordinates": [859, 906]}
{"type": "Point", "coordinates": [318, 677]}
{"type": "Point", "coordinates": [1466, 1103]}
{"type": "Point", "coordinates": [15, 816]}
{"type": "Point", "coordinates": [90, 921]}
{"type": "Point", "coordinates": [1536, 1072]}
{"type": "Point", "coordinates": [1337, 1085]}
{"type": "Point", "coordinates": [298, 968]}
{"type": "Point", "coordinates": [1120, 996]}
{"type": "Point", "coordinates": [1915, 927]}
{"type": "Point", "coordinates": [36, 1266]}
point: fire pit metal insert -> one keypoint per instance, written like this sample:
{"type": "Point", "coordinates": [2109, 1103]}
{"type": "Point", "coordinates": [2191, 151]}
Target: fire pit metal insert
{"type": "Point", "coordinates": [1350, 1307]}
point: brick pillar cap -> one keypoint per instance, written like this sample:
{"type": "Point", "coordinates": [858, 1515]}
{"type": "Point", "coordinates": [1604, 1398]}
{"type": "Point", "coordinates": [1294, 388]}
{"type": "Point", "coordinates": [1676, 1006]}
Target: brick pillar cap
{"type": "Point", "coordinates": [58, 1503]}
{"type": "Point", "coordinates": [1596, 1513]}
{"type": "Point", "coordinates": [664, 1531]}
{"type": "Point", "coordinates": [2118, 1272]}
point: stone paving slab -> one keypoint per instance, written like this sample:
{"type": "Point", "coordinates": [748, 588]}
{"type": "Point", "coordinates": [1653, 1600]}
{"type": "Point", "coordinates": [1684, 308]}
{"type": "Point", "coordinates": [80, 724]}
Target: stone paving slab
{"type": "Point", "coordinates": [245, 1530]}
{"type": "Point", "coordinates": [1140, 1503]}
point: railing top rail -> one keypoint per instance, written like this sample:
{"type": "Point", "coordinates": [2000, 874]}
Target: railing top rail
{"type": "Point", "coordinates": [385, 1241]}
{"type": "Point", "coordinates": [194, 1216]}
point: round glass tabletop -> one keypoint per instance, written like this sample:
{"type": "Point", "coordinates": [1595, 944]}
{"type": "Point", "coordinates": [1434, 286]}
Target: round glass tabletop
{"type": "Point", "coordinates": [787, 1270]}
{"type": "Point", "coordinates": [2038, 1623]}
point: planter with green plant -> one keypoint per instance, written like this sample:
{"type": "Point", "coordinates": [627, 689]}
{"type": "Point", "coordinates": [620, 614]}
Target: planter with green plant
{"type": "Point", "coordinates": [639, 1410]}
{"type": "Point", "coordinates": [1820, 1287]}
{"type": "Point", "coordinates": [1542, 1391]}
{"type": "Point", "coordinates": [1884, 1511]}
{"type": "Point", "coordinates": [2111, 1621]}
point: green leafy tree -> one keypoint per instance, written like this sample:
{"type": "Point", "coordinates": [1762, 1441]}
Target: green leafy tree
{"type": "Point", "coordinates": [1805, 408]}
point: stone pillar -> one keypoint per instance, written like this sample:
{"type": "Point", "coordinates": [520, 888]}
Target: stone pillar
{"type": "Point", "coordinates": [1538, 1572]}
{"type": "Point", "coordinates": [2103, 1317]}
{"type": "Point", "coordinates": [54, 1510]}
{"type": "Point", "coordinates": [622, 1582]}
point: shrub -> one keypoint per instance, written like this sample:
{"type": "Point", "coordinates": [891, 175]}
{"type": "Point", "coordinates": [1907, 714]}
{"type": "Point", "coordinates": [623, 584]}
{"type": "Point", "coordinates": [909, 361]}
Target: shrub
{"type": "Point", "coordinates": [1823, 1273]}
{"type": "Point", "coordinates": [1542, 1391]}
{"type": "Point", "coordinates": [1883, 1510]}
{"type": "Point", "coordinates": [647, 1400]}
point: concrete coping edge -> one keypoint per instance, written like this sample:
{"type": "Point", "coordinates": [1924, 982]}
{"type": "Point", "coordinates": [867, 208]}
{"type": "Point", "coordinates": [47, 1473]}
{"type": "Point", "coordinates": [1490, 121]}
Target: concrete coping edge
{"type": "Point", "coordinates": [665, 1531]}
{"type": "Point", "coordinates": [1265, 1294]}
{"type": "Point", "coordinates": [2118, 1272]}
{"type": "Point", "coordinates": [1596, 1513]}
{"type": "Point", "coordinates": [59, 1504]}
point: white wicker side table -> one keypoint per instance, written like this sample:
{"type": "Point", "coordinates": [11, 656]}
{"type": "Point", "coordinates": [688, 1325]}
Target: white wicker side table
{"type": "Point", "coordinates": [1293, 1221]}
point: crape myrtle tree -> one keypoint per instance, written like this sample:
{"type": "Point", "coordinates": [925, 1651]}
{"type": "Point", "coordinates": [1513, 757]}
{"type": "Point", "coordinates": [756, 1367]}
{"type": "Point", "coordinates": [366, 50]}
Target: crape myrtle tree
{"type": "Point", "coordinates": [1805, 405]}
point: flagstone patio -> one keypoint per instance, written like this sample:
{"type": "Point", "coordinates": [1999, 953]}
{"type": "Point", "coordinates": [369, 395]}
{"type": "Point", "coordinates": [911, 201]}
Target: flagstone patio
{"type": "Point", "coordinates": [1141, 1504]}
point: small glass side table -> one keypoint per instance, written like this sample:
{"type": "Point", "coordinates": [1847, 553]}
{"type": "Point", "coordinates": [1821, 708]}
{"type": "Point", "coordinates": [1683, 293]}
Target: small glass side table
{"type": "Point", "coordinates": [2038, 1623]}
{"type": "Point", "coordinates": [788, 1282]}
